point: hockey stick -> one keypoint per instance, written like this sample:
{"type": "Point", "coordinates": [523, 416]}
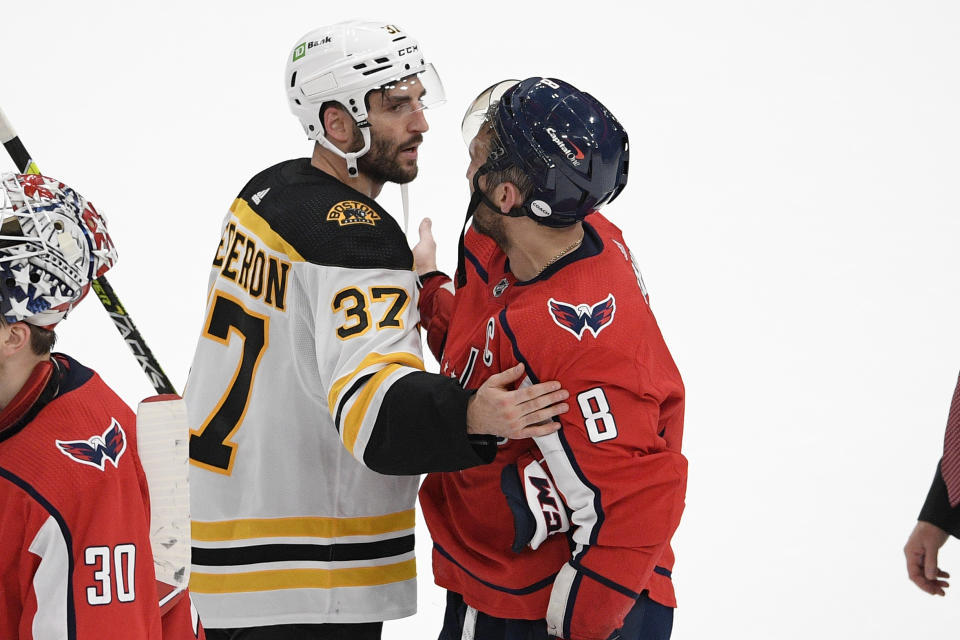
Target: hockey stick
{"type": "Point", "coordinates": [163, 442]}
{"type": "Point", "coordinates": [121, 319]}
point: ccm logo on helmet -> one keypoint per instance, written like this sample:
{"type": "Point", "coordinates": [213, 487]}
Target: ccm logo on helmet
{"type": "Point", "coordinates": [574, 158]}
{"type": "Point", "coordinates": [408, 50]}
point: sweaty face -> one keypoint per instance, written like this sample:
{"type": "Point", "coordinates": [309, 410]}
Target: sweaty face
{"type": "Point", "coordinates": [397, 125]}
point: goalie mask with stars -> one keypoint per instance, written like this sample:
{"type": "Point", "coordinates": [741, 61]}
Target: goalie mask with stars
{"type": "Point", "coordinates": [53, 243]}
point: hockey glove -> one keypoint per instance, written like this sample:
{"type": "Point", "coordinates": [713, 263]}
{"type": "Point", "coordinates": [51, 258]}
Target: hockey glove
{"type": "Point", "coordinates": [537, 508]}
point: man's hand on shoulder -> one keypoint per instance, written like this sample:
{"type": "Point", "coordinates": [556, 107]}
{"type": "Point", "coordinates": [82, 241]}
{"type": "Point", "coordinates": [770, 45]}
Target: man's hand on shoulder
{"type": "Point", "coordinates": [921, 552]}
{"type": "Point", "coordinates": [522, 413]}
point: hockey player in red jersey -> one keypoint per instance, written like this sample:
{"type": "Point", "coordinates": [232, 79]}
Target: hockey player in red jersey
{"type": "Point", "coordinates": [76, 560]}
{"type": "Point", "coordinates": [546, 281]}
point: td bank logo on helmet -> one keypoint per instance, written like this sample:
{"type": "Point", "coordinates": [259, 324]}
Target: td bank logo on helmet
{"type": "Point", "coordinates": [301, 49]}
{"type": "Point", "coordinates": [573, 157]}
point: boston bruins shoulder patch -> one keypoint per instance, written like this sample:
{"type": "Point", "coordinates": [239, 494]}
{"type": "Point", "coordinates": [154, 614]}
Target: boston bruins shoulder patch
{"type": "Point", "coordinates": [349, 212]}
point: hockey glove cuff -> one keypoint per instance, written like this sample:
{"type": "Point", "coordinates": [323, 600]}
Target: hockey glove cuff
{"type": "Point", "coordinates": [537, 508]}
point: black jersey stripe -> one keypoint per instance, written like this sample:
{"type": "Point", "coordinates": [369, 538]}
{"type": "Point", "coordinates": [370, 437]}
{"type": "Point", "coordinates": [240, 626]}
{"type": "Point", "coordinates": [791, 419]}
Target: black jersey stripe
{"type": "Point", "coordinates": [571, 601]}
{"type": "Point", "coordinates": [607, 582]}
{"type": "Point", "coordinates": [536, 586]}
{"type": "Point", "coordinates": [476, 265]}
{"type": "Point", "coordinates": [346, 396]}
{"type": "Point", "coordinates": [342, 552]}
{"type": "Point", "coordinates": [67, 538]}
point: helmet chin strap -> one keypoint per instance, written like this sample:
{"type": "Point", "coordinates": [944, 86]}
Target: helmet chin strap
{"type": "Point", "coordinates": [405, 198]}
{"type": "Point", "coordinates": [353, 171]}
{"type": "Point", "coordinates": [476, 198]}
{"type": "Point", "coordinates": [350, 157]}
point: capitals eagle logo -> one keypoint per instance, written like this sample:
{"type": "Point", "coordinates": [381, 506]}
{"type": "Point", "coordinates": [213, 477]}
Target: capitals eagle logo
{"type": "Point", "coordinates": [98, 449]}
{"type": "Point", "coordinates": [577, 318]}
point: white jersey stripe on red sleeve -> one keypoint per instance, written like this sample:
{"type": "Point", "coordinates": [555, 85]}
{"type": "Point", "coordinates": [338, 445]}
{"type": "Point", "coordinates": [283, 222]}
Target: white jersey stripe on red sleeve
{"type": "Point", "coordinates": [578, 495]}
{"type": "Point", "coordinates": [559, 597]}
{"type": "Point", "coordinates": [51, 582]}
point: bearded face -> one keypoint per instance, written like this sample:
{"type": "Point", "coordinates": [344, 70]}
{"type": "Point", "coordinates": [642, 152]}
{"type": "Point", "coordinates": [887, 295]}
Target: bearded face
{"type": "Point", "coordinates": [391, 158]}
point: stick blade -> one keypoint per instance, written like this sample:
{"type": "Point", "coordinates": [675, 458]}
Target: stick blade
{"type": "Point", "coordinates": [163, 442]}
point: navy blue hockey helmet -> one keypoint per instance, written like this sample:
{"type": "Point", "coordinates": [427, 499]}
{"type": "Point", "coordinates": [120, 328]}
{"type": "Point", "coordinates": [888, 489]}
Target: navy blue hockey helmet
{"type": "Point", "coordinates": [571, 147]}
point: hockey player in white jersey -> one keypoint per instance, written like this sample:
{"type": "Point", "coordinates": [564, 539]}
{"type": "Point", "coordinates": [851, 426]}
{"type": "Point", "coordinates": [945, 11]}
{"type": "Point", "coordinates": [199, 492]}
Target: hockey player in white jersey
{"type": "Point", "coordinates": [307, 387]}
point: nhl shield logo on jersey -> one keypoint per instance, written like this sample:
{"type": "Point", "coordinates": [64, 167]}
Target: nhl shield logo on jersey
{"type": "Point", "coordinates": [96, 450]}
{"type": "Point", "coordinates": [577, 318]}
{"type": "Point", "coordinates": [350, 212]}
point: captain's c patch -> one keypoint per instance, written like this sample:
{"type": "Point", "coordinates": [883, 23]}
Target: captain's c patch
{"type": "Point", "coordinates": [352, 212]}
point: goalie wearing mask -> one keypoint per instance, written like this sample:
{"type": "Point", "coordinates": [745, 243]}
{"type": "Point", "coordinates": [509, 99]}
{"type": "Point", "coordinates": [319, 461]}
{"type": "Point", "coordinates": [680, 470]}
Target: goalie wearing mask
{"type": "Point", "coordinates": [76, 558]}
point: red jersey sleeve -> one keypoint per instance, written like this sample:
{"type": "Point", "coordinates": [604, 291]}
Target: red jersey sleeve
{"type": "Point", "coordinates": [436, 304]}
{"type": "Point", "coordinates": [179, 618]}
{"type": "Point", "coordinates": [618, 465]}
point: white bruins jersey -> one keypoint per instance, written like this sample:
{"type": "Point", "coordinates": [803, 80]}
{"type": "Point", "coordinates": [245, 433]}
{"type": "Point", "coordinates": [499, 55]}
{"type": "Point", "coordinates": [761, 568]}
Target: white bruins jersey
{"type": "Point", "coordinates": [306, 389]}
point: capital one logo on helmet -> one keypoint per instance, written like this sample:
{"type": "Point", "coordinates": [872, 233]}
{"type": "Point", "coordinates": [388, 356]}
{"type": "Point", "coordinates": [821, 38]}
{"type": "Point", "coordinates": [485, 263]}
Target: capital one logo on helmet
{"type": "Point", "coordinates": [574, 158]}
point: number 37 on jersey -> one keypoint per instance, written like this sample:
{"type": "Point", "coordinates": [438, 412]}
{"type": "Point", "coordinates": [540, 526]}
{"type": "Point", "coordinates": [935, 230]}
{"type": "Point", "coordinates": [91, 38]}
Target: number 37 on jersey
{"type": "Point", "coordinates": [357, 310]}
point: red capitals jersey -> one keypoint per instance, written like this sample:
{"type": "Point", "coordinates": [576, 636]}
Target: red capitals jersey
{"type": "Point", "coordinates": [584, 321]}
{"type": "Point", "coordinates": [76, 560]}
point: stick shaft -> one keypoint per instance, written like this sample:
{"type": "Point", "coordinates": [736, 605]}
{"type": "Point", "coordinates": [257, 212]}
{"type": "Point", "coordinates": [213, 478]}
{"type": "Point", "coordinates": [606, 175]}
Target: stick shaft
{"type": "Point", "coordinates": [105, 293]}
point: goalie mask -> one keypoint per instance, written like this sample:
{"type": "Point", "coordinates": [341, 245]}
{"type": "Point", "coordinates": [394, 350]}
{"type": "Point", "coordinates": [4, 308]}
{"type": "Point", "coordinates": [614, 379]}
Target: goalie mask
{"type": "Point", "coordinates": [346, 61]}
{"type": "Point", "coordinates": [53, 243]}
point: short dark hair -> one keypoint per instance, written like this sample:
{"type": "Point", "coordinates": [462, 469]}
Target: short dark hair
{"type": "Point", "coordinates": [512, 172]}
{"type": "Point", "coordinates": [41, 340]}
{"type": "Point", "coordinates": [382, 90]}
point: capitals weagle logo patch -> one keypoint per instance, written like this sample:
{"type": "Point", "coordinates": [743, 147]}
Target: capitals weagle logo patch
{"type": "Point", "coordinates": [350, 212]}
{"type": "Point", "coordinates": [579, 318]}
{"type": "Point", "coordinates": [98, 449]}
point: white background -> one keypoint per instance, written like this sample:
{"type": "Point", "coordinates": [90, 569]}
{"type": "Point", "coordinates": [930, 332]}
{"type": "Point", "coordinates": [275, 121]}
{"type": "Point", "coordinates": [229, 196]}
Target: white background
{"type": "Point", "coordinates": [793, 203]}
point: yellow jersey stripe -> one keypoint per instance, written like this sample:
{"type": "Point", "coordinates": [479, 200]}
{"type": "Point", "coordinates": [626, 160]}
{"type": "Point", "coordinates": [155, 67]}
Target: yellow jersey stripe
{"type": "Point", "coordinates": [352, 423]}
{"type": "Point", "coordinates": [301, 527]}
{"type": "Point", "coordinates": [400, 357]}
{"type": "Point", "coordinates": [302, 578]}
{"type": "Point", "coordinates": [261, 228]}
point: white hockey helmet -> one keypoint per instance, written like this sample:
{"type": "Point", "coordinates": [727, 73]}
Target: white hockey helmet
{"type": "Point", "coordinates": [53, 243]}
{"type": "Point", "coordinates": [343, 63]}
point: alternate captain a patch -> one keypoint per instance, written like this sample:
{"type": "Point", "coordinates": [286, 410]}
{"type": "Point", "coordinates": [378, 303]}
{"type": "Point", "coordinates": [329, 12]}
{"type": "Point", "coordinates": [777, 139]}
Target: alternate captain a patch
{"type": "Point", "coordinates": [98, 449]}
{"type": "Point", "coordinates": [577, 318]}
{"type": "Point", "coordinates": [349, 212]}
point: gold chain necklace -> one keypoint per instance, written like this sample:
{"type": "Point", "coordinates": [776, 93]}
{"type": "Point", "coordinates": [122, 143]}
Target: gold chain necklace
{"type": "Point", "coordinates": [572, 247]}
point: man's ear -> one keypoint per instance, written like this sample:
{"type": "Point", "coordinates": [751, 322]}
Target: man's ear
{"type": "Point", "coordinates": [507, 196]}
{"type": "Point", "coordinates": [338, 125]}
{"type": "Point", "coordinates": [14, 338]}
